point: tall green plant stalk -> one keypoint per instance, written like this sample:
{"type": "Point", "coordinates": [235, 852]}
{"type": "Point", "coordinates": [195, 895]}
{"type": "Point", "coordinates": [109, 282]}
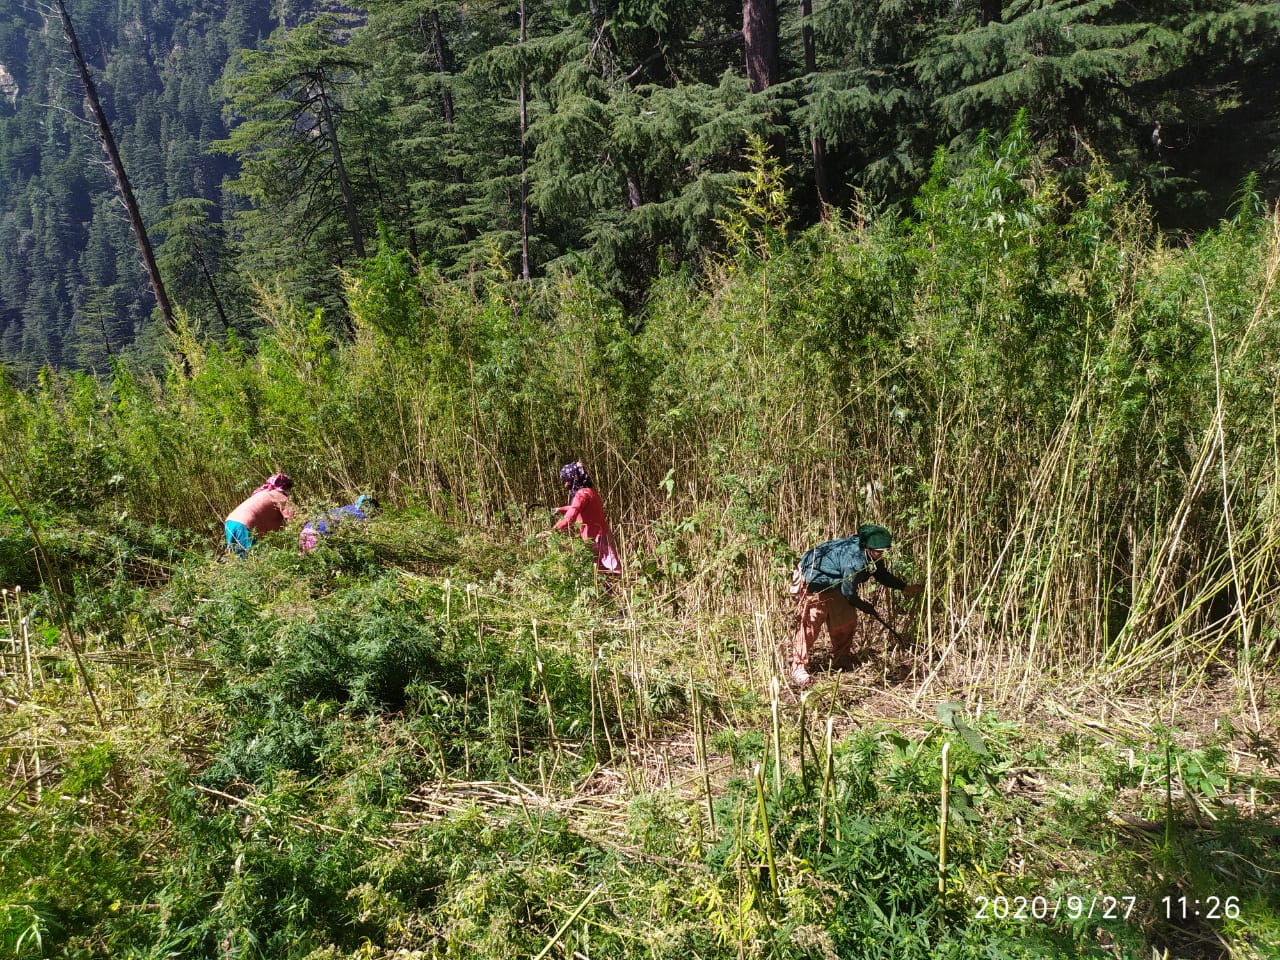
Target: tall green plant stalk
{"type": "Point", "coordinates": [1168, 806]}
{"type": "Point", "coordinates": [766, 834]}
{"type": "Point", "coordinates": [628, 740]}
{"type": "Point", "coordinates": [803, 733]}
{"type": "Point", "coordinates": [593, 678]}
{"type": "Point", "coordinates": [828, 780]}
{"type": "Point", "coordinates": [1048, 473]}
{"type": "Point", "coordinates": [542, 683]}
{"type": "Point", "coordinates": [943, 817]}
{"type": "Point", "coordinates": [599, 689]}
{"type": "Point", "coordinates": [700, 745]}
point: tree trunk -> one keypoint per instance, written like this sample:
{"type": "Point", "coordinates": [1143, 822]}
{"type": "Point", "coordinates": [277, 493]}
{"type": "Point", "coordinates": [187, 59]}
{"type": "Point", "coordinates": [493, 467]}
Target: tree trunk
{"type": "Point", "coordinates": [444, 62]}
{"type": "Point", "coordinates": [817, 145]}
{"type": "Point", "coordinates": [760, 37]}
{"type": "Point", "coordinates": [106, 337]}
{"type": "Point", "coordinates": [213, 289]}
{"type": "Point", "coordinates": [344, 184]}
{"type": "Point", "coordinates": [990, 11]}
{"type": "Point", "coordinates": [122, 180]}
{"type": "Point", "coordinates": [600, 45]}
{"type": "Point", "coordinates": [524, 166]}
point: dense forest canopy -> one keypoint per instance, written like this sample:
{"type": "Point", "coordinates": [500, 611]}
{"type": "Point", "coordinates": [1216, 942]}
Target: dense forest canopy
{"type": "Point", "coordinates": [280, 145]}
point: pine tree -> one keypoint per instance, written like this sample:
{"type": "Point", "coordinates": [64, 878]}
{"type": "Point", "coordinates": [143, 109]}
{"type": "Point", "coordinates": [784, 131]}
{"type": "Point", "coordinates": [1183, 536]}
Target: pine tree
{"type": "Point", "coordinates": [1103, 72]}
{"type": "Point", "coordinates": [627, 171]}
{"type": "Point", "coordinates": [192, 254]}
{"type": "Point", "coordinates": [863, 100]}
{"type": "Point", "coordinates": [289, 99]}
{"type": "Point", "coordinates": [409, 118]}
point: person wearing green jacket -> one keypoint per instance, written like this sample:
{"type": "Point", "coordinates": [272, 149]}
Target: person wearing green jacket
{"type": "Point", "coordinates": [826, 587]}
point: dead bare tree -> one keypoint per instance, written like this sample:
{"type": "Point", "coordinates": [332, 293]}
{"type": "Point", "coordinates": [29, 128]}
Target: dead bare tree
{"type": "Point", "coordinates": [108, 141]}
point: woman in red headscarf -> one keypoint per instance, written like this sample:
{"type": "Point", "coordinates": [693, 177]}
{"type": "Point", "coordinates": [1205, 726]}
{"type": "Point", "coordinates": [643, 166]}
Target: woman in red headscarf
{"type": "Point", "coordinates": [586, 507]}
{"type": "Point", "coordinates": [267, 508]}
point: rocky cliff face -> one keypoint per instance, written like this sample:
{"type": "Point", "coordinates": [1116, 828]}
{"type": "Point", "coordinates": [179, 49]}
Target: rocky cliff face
{"type": "Point", "coordinates": [8, 85]}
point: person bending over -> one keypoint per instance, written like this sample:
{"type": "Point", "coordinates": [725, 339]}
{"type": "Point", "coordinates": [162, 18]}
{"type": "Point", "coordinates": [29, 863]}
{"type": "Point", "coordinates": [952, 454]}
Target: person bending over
{"type": "Point", "coordinates": [267, 508]}
{"type": "Point", "coordinates": [826, 587]}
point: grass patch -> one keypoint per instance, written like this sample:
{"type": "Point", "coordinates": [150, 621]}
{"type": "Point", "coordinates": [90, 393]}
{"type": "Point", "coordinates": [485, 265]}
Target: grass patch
{"type": "Point", "coordinates": [370, 760]}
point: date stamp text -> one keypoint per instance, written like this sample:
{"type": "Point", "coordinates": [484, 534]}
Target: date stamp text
{"type": "Point", "coordinates": [1072, 907]}
{"type": "Point", "coordinates": [1098, 906]}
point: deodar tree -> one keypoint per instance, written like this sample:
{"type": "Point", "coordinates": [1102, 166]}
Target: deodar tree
{"type": "Point", "coordinates": [289, 98]}
{"type": "Point", "coordinates": [760, 39]}
{"type": "Point", "coordinates": [1098, 75]}
{"type": "Point", "coordinates": [192, 254]}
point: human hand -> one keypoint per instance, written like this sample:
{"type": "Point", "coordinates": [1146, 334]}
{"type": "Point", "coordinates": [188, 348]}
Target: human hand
{"type": "Point", "coordinates": [913, 589]}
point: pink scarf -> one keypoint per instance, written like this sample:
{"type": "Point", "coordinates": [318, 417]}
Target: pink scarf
{"type": "Point", "coordinates": [277, 481]}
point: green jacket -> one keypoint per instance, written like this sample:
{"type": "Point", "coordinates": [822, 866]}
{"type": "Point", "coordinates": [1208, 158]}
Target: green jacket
{"type": "Point", "coordinates": [844, 564]}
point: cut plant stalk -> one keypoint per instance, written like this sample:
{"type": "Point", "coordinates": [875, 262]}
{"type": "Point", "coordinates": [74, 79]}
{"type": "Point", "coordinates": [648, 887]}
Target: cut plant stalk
{"type": "Point", "coordinates": [828, 780]}
{"type": "Point", "coordinates": [592, 680]}
{"type": "Point", "coordinates": [25, 632]}
{"type": "Point", "coordinates": [568, 924]}
{"type": "Point", "coordinates": [767, 834]}
{"type": "Point", "coordinates": [700, 746]}
{"type": "Point", "coordinates": [13, 653]}
{"type": "Point", "coordinates": [942, 823]}
{"type": "Point", "coordinates": [775, 692]}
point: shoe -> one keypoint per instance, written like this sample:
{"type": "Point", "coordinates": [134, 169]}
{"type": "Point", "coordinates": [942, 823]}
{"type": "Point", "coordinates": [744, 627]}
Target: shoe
{"type": "Point", "coordinates": [800, 677]}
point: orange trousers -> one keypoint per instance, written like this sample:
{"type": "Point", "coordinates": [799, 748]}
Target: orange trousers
{"type": "Point", "coordinates": [815, 609]}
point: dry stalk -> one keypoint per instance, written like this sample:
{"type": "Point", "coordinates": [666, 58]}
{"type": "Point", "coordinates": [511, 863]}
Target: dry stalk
{"type": "Point", "coordinates": [383, 842]}
{"type": "Point", "coordinates": [1226, 504]}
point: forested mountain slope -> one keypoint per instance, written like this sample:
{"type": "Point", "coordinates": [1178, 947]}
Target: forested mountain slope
{"type": "Point", "coordinates": [71, 288]}
{"type": "Point", "coordinates": [270, 144]}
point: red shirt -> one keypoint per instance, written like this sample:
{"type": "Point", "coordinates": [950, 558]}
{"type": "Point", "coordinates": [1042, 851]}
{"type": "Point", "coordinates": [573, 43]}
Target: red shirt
{"type": "Point", "coordinates": [588, 508]}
